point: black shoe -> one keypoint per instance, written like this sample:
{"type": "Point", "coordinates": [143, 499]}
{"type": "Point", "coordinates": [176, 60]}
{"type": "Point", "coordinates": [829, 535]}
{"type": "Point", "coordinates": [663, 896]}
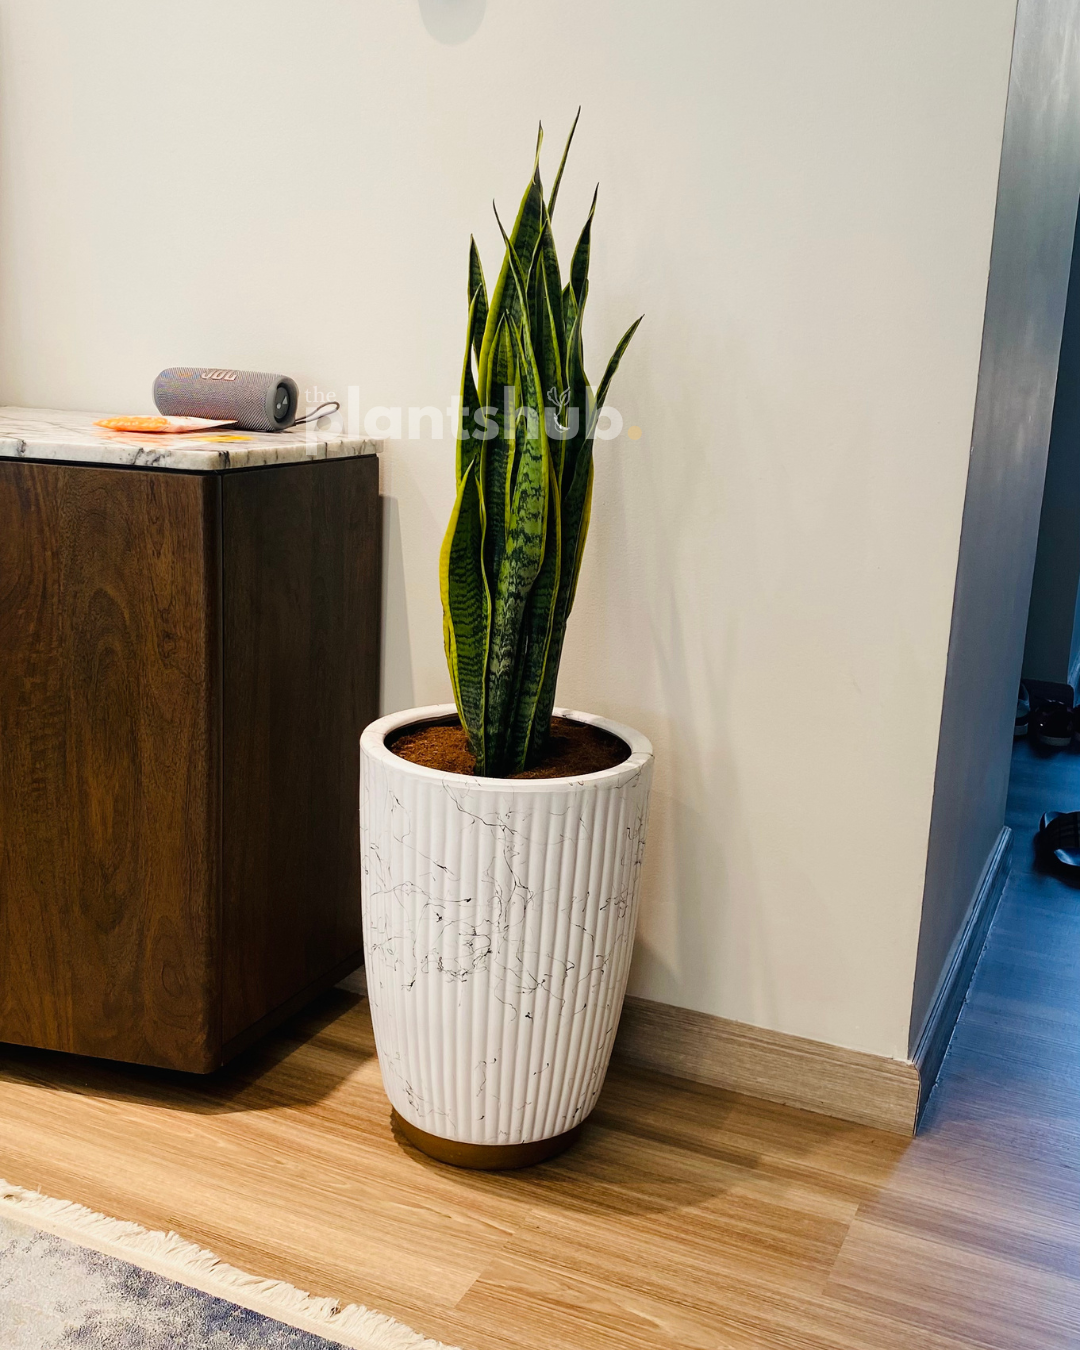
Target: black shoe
{"type": "Point", "coordinates": [1053, 724]}
{"type": "Point", "coordinates": [1059, 837]}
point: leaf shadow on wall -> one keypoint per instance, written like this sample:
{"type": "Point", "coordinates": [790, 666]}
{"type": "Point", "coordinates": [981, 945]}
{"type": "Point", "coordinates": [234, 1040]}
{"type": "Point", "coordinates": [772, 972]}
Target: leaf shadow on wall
{"type": "Point", "coordinates": [703, 938]}
{"type": "Point", "coordinates": [397, 683]}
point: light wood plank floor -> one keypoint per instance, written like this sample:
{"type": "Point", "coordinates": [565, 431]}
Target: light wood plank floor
{"type": "Point", "coordinates": [685, 1217]}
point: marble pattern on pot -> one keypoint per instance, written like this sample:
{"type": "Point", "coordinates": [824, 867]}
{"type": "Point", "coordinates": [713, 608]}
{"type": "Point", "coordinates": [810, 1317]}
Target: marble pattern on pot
{"type": "Point", "coordinates": [45, 434]}
{"type": "Point", "coordinates": [499, 922]}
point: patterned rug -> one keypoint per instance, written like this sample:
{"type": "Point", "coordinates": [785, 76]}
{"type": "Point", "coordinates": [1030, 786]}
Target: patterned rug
{"type": "Point", "coordinates": [74, 1280]}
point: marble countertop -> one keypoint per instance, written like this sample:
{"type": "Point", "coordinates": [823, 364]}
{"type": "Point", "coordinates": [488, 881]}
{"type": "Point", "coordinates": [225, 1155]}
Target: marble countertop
{"type": "Point", "coordinates": [44, 434]}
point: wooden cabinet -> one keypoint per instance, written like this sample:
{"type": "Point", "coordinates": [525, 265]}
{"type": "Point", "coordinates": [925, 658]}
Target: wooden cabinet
{"type": "Point", "coordinates": [186, 663]}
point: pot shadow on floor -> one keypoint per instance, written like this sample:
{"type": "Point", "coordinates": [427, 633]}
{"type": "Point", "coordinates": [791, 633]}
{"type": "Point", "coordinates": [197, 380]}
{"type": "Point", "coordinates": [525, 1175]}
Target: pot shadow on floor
{"type": "Point", "coordinates": [655, 1144]}
{"type": "Point", "coordinates": [298, 1064]}
{"type": "Point", "coordinates": [652, 1145]}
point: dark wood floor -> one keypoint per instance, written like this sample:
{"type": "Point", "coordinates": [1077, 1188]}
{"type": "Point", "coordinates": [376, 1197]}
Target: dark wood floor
{"type": "Point", "coordinates": [684, 1218]}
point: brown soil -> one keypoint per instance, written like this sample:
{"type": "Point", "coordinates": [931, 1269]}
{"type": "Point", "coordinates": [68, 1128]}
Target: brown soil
{"type": "Point", "coordinates": [575, 748]}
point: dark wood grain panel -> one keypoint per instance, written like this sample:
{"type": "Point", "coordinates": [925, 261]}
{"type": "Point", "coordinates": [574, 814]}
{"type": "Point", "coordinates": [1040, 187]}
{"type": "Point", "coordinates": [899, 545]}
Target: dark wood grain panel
{"type": "Point", "coordinates": [109, 803]}
{"type": "Point", "coordinates": [301, 649]}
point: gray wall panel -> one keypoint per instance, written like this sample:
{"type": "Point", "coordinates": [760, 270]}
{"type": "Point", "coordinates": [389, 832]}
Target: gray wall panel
{"type": "Point", "coordinates": [1029, 273]}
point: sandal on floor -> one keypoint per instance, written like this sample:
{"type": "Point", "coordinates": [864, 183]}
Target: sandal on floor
{"type": "Point", "coordinates": [1052, 725]}
{"type": "Point", "coordinates": [1059, 836]}
{"type": "Point", "coordinates": [1023, 713]}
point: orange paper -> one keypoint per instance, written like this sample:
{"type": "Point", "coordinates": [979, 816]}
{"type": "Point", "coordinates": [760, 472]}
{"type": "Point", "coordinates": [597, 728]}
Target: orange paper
{"type": "Point", "coordinates": [160, 425]}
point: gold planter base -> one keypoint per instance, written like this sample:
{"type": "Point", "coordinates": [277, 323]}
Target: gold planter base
{"type": "Point", "coordinates": [483, 1157]}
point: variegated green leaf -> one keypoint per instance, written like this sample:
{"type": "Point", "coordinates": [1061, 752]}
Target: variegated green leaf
{"type": "Point", "coordinates": [511, 560]}
{"type": "Point", "coordinates": [579, 264]}
{"type": "Point", "coordinates": [549, 346]}
{"type": "Point", "coordinates": [562, 165]}
{"type": "Point", "coordinates": [536, 632]}
{"type": "Point", "coordinates": [574, 518]}
{"type": "Point", "coordinates": [468, 447]}
{"type": "Point", "coordinates": [613, 366]}
{"type": "Point", "coordinates": [523, 236]}
{"type": "Point", "coordinates": [570, 308]}
{"type": "Point", "coordinates": [582, 532]}
{"type": "Point", "coordinates": [466, 610]}
{"type": "Point", "coordinates": [517, 281]}
{"type": "Point", "coordinates": [478, 301]}
{"type": "Point", "coordinates": [544, 332]}
{"type": "Point", "coordinates": [547, 316]}
{"type": "Point", "coordinates": [497, 453]}
{"type": "Point", "coordinates": [577, 465]}
{"type": "Point", "coordinates": [523, 556]}
{"type": "Point", "coordinates": [579, 394]}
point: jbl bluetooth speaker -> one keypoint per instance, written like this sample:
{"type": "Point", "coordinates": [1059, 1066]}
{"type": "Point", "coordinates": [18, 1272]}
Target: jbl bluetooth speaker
{"type": "Point", "coordinates": [254, 401]}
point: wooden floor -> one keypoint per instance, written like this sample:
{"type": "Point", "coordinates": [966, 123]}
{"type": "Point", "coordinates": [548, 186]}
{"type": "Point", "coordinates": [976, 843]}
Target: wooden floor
{"type": "Point", "coordinates": [686, 1217]}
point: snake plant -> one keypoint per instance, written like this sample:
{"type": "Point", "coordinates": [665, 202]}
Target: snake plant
{"type": "Point", "coordinates": [511, 558]}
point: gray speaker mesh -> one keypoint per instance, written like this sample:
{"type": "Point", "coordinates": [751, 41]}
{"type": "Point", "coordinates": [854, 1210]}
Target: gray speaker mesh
{"type": "Point", "coordinates": [245, 397]}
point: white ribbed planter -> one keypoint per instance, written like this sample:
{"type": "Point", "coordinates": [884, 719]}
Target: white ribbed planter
{"type": "Point", "coordinates": [499, 919]}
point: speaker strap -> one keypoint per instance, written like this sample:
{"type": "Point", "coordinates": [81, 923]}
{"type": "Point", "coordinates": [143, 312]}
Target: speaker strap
{"type": "Point", "coordinates": [332, 406]}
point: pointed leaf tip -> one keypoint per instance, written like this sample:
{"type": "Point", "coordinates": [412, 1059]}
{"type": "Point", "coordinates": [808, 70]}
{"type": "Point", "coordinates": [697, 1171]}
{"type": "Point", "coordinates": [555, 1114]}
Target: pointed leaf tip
{"type": "Point", "coordinates": [562, 164]}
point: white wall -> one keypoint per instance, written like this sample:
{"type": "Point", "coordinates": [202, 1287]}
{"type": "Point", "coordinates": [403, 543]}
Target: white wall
{"type": "Point", "coordinates": [800, 197]}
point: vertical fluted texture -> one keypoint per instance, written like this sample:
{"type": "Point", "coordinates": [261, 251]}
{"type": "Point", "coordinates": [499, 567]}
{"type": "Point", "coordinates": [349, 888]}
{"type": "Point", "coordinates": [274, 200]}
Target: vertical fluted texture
{"type": "Point", "coordinates": [498, 927]}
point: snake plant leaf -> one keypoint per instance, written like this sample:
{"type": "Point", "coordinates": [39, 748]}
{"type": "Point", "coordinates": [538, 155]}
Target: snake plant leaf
{"type": "Point", "coordinates": [574, 526]}
{"type": "Point", "coordinates": [539, 615]}
{"type": "Point", "coordinates": [524, 552]}
{"type": "Point", "coordinates": [477, 293]}
{"type": "Point", "coordinates": [579, 263]}
{"type": "Point", "coordinates": [466, 609]}
{"type": "Point", "coordinates": [498, 451]}
{"type": "Point", "coordinates": [516, 270]}
{"type": "Point", "coordinates": [468, 447]}
{"type": "Point", "coordinates": [522, 285]}
{"type": "Point", "coordinates": [554, 358]}
{"type": "Point", "coordinates": [549, 269]}
{"type": "Point", "coordinates": [549, 342]}
{"type": "Point", "coordinates": [613, 366]}
{"type": "Point", "coordinates": [544, 249]}
{"type": "Point", "coordinates": [579, 393]}
{"type": "Point", "coordinates": [578, 469]}
{"type": "Point", "coordinates": [536, 630]}
{"type": "Point", "coordinates": [562, 165]}
{"type": "Point", "coordinates": [511, 560]}
{"type": "Point", "coordinates": [574, 493]}
{"type": "Point", "coordinates": [570, 308]}
{"type": "Point", "coordinates": [549, 362]}
{"type": "Point", "coordinates": [532, 280]}
{"type": "Point", "coordinates": [523, 236]}
{"type": "Point", "coordinates": [583, 531]}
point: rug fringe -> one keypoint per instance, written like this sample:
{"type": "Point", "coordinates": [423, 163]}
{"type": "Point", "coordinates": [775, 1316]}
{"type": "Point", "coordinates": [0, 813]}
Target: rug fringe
{"type": "Point", "coordinates": [175, 1258]}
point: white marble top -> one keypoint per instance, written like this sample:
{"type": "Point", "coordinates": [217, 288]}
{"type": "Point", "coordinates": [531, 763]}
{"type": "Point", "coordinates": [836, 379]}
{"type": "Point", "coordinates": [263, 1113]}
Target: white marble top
{"type": "Point", "coordinates": [42, 433]}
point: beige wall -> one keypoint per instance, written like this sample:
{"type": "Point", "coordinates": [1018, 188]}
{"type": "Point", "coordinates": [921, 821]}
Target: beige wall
{"type": "Point", "coordinates": [798, 193]}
